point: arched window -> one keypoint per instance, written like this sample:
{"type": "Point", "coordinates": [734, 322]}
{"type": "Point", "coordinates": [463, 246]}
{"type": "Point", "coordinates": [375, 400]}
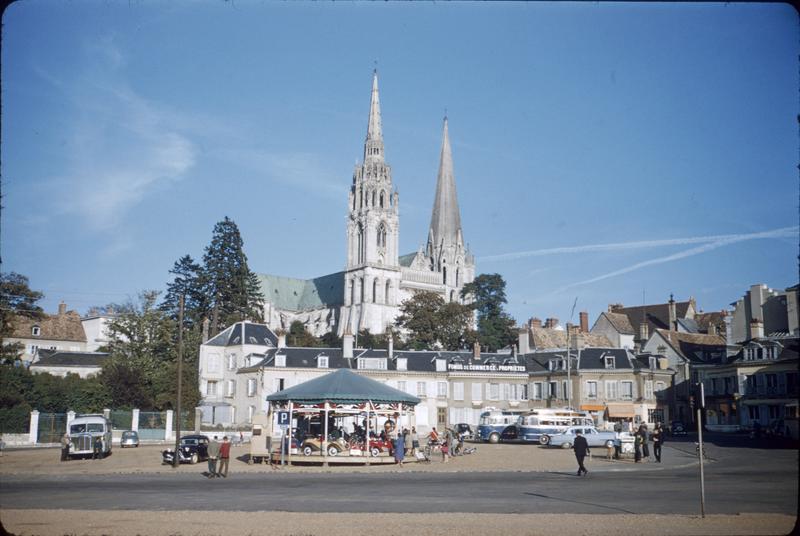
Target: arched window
{"type": "Point", "coordinates": [360, 253]}
{"type": "Point", "coordinates": [458, 275]}
{"type": "Point", "coordinates": [373, 198]}
{"type": "Point", "coordinates": [382, 236]}
{"type": "Point", "coordinates": [452, 295]}
{"type": "Point", "coordinates": [362, 289]}
{"type": "Point", "coordinates": [381, 199]}
{"type": "Point", "coordinates": [386, 297]}
{"type": "Point", "coordinates": [352, 292]}
{"type": "Point", "coordinates": [444, 274]}
{"type": "Point", "coordinates": [375, 291]}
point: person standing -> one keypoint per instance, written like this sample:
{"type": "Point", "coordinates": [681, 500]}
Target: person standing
{"type": "Point", "coordinates": [97, 447]}
{"type": "Point", "coordinates": [658, 440]}
{"type": "Point", "coordinates": [581, 448]}
{"type": "Point", "coordinates": [445, 446]}
{"type": "Point", "coordinates": [637, 445]}
{"type": "Point", "coordinates": [224, 457]}
{"type": "Point", "coordinates": [213, 454]}
{"type": "Point", "coordinates": [399, 449]}
{"type": "Point", "coordinates": [407, 442]}
{"type": "Point", "coordinates": [414, 440]}
{"type": "Point", "coordinates": [645, 438]}
{"type": "Point", "coordinates": [64, 448]}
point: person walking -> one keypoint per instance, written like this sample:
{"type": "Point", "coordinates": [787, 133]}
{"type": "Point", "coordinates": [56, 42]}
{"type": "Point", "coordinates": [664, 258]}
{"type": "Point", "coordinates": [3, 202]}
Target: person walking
{"type": "Point", "coordinates": [409, 445]}
{"type": "Point", "coordinates": [414, 440]}
{"type": "Point", "coordinates": [224, 457]}
{"type": "Point", "coordinates": [581, 448]}
{"type": "Point", "coordinates": [445, 446]}
{"type": "Point", "coordinates": [64, 448]}
{"type": "Point", "coordinates": [213, 454]}
{"type": "Point", "coordinates": [658, 441]}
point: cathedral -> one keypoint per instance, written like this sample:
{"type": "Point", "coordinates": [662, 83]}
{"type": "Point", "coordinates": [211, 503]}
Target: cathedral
{"type": "Point", "coordinates": [376, 278]}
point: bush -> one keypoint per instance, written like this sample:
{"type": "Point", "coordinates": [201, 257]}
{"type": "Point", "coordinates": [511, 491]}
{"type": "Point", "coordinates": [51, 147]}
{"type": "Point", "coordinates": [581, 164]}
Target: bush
{"type": "Point", "coordinates": [16, 419]}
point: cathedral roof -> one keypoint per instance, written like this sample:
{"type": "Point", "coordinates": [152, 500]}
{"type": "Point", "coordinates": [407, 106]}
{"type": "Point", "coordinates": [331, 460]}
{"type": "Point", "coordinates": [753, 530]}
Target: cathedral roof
{"type": "Point", "coordinates": [292, 294]}
{"type": "Point", "coordinates": [446, 218]}
{"type": "Point", "coordinates": [407, 259]}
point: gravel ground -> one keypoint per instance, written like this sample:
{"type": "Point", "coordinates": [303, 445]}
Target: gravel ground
{"type": "Point", "coordinates": [147, 459]}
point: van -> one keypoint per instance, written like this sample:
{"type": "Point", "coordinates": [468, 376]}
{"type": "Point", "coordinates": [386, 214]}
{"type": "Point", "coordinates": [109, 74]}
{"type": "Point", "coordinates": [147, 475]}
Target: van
{"type": "Point", "coordinates": [82, 433]}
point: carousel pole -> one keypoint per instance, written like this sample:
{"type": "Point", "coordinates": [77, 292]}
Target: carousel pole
{"type": "Point", "coordinates": [366, 431]}
{"type": "Point", "coordinates": [325, 437]}
{"type": "Point", "coordinates": [289, 446]}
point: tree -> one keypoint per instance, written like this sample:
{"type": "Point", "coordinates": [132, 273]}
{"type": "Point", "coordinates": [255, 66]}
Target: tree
{"type": "Point", "coordinates": [189, 283]}
{"type": "Point", "coordinates": [298, 336]}
{"type": "Point", "coordinates": [16, 300]}
{"type": "Point", "coordinates": [431, 322]}
{"type": "Point", "coordinates": [488, 295]}
{"type": "Point", "coordinates": [331, 340]}
{"type": "Point", "coordinates": [233, 291]}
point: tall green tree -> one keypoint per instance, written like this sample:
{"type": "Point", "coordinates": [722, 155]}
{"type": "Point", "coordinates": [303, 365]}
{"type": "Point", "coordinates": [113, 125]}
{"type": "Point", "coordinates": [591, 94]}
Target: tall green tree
{"type": "Point", "coordinates": [431, 323]}
{"type": "Point", "coordinates": [233, 291]}
{"type": "Point", "coordinates": [17, 300]}
{"type": "Point", "coordinates": [188, 282]}
{"type": "Point", "coordinates": [487, 293]}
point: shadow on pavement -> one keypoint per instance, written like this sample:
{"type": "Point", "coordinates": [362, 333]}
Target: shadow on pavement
{"type": "Point", "coordinates": [561, 499]}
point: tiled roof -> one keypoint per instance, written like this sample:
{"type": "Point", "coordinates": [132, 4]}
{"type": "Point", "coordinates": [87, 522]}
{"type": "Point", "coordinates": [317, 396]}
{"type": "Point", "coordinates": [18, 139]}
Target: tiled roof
{"type": "Point", "coordinates": [696, 347]}
{"type": "Point", "coordinates": [620, 322]}
{"type": "Point", "coordinates": [590, 358]}
{"type": "Point", "coordinates": [546, 338]}
{"type": "Point", "coordinates": [58, 327]}
{"type": "Point", "coordinates": [293, 294]}
{"type": "Point", "coordinates": [705, 320]}
{"type": "Point", "coordinates": [58, 358]}
{"type": "Point", "coordinates": [657, 315]}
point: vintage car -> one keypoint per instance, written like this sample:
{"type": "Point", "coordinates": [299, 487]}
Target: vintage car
{"type": "Point", "coordinates": [192, 449]}
{"type": "Point", "coordinates": [129, 438]}
{"type": "Point", "coordinates": [463, 430]}
{"type": "Point", "coordinates": [594, 437]}
{"type": "Point", "coordinates": [311, 445]}
{"type": "Point", "coordinates": [84, 431]}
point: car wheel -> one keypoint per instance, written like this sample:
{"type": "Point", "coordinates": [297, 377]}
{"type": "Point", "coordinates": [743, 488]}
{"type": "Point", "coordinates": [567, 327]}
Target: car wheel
{"type": "Point", "coordinates": [544, 439]}
{"type": "Point", "coordinates": [333, 451]}
{"type": "Point", "coordinates": [193, 459]}
{"type": "Point", "coordinates": [609, 443]}
{"type": "Point", "coordinates": [494, 438]}
{"type": "Point", "coordinates": [307, 451]}
{"type": "Point", "coordinates": [375, 452]}
{"type": "Point", "coordinates": [565, 446]}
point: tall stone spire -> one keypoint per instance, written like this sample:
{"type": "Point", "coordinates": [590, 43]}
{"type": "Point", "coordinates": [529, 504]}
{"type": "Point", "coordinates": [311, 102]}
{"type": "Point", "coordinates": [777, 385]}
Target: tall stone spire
{"type": "Point", "coordinates": [373, 146]}
{"type": "Point", "coordinates": [446, 218]}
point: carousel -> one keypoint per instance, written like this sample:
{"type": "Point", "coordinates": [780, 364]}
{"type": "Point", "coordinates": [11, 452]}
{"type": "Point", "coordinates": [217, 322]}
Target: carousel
{"type": "Point", "coordinates": [341, 417]}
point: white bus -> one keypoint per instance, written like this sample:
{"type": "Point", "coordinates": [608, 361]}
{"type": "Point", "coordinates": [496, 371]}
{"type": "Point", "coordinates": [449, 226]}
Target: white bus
{"type": "Point", "coordinates": [537, 423]}
{"type": "Point", "coordinates": [82, 432]}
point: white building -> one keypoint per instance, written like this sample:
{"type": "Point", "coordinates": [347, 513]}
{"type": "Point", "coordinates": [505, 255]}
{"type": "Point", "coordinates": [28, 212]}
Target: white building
{"type": "Point", "coordinates": [62, 331]}
{"type": "Point", "coordinates": [376, 278]}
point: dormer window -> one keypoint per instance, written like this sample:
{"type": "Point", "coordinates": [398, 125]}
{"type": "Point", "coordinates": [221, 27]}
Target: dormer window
{"type": "Point", "coordinates": [653, 363]}
{"type": "Point", "coordinates": [280, 360]}
{"type": "Point", "coordinates": [402, 363]}
{"type": "Point", "coordinates": [36, 331]}
{"type": "Point", "coordinates": [609, 361]}
{"type": "Point", "coordinates": [322, 361]}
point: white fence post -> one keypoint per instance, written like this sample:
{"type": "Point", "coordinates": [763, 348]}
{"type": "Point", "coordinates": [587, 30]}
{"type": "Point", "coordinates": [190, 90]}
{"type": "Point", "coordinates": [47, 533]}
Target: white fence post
{"type": "Point", "coordinates": [70, 418]}
{"type": "Point", "coordinates": [33, 431]}
{"type": "Point", "coordinates": [135, 420]}
{"type": "Point", "coordinates": [168, 432]}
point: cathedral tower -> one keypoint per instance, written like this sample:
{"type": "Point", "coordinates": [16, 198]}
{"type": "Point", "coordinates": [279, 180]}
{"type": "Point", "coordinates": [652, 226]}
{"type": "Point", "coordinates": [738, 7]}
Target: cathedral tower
{"type": "Point", "coordinates": [372, 274]}
{"type": "Point", "coordinates": [445, 251]}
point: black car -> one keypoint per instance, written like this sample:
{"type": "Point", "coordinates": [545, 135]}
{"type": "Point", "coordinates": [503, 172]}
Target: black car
{"type": "Point", "coordinates": [193, 449]}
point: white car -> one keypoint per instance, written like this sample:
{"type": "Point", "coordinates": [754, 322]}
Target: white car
{"type": "Point", "coordinates": [594, 438]}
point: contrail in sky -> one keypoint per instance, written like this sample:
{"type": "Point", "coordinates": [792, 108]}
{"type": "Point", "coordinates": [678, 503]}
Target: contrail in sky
{"type": "Point", "coordinates": [719, 240]}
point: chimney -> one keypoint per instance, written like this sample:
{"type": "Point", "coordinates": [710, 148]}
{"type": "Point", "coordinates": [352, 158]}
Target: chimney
{"type": "Point", "coordinates": [206, 323]}
{"type": "Point", "coordinates": [476, 350]}
{"type": "Point", "coordinates": [614, 307]}
{"type": "Point", "coordinates": [578, 340]}
{"type": "Point", "coordinates": [347, 343]}
{"type": "Point", "coordinates": [673, 315]}
{"type": "Point", "coordinates": [391, 343]}
{"type": "Point", "coordinates": [281, 338]}
{"type": "Point", "coordinates": [551, 323]}
{"type": "Point", "coordinates": [756, 329]}
{"type": "Point", "coordinates": [712, 329]}
{"type": "Point", "coordinates": [524, 346]}
{"type": "Point", "coordinates": [643, 331]}
{"type": "Point", "coordinates": [584, 316]}
{"type": "Point", "coordinates": [535, 322]}
{"type": "Point", "coordinates": [62, 309]}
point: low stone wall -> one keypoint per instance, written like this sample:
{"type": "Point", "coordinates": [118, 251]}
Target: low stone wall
{"type": "Point", "coordinates": [16, 440]}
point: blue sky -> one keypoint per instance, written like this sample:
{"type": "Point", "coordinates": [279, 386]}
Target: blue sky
{"type": "Point", "coordinates": [601, 150]}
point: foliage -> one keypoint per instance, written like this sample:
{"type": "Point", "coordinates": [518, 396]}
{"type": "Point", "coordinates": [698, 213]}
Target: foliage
{"type": "Point", "coordinates": [188, 282]}
{"type": "Point", "coordinates": [431, 322]}
{"type": "Point", "coordinates": [233, 291]}
{"type": "Point", "coordinates": [298, 336]}
{"type": "Point", "coordinates": [331, 340]}
{"type": "Point", "coordinates": [488, 295]}
{"type": "Point", "coordinates": [16, 300]}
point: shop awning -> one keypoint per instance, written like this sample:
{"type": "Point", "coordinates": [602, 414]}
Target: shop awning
{"type": "Point", "coordinates": [593, 407]}
{"type": "Point", "coordinates": [620, 410]}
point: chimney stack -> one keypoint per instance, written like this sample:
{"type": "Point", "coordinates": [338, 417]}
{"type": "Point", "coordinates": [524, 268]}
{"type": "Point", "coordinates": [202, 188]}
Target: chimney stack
{"type": "Point", "coordinates": [756, 329]}
{"type": "Point", "coordinates": [584, 316]}
{"type": "Point", "coordinates": [644, 331]}
{"type": "Point", "coordinates": [535, 322]}
{"type": "Point", "coordinates": [673, 315]}
{"type": "Point", "coordinates": [524, 346]}
{"type": "Point", "coordinates": [614, 307]}
{"type": "Point", "coordinates": [62, 309]}
{"type": "Point", "coordinates": [476, 350]}
{"type": "Point", "coordinates": [347, 343]}
{"type": "Point", "coordinates": [391, 343]}
{"type": "Point", "coordinates": [281, 338]}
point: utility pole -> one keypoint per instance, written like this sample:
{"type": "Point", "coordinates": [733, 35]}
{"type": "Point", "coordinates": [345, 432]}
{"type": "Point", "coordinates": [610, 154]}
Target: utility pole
{"type": "Point", "coordinates": [175, 460]}
{"type": "Point", "coordinates": [701, 404]}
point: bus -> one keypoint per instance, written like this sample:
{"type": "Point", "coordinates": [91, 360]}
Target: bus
{"type": "Point", "coordinates": [493, 421]}
{"type": "Point", "coordinates": [82, 433]}
{"type": "Point", "coordinates": [536, 424]}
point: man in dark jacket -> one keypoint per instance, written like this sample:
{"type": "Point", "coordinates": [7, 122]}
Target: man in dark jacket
{"type": "Point", "coordinates": [581, 448]}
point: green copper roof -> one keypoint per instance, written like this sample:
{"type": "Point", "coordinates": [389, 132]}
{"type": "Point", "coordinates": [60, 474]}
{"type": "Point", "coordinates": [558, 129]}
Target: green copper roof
{"type": "Point", "coordinates": [293, 294]}
{"type": "Point", "coordinates": [407, 259]}
{"type": "Point", "coordinates": [344, 387]}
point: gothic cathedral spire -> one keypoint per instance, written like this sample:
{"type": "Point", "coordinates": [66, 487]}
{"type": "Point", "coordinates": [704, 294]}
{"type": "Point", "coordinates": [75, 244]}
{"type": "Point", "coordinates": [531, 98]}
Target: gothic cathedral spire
{"type": "Point", "coordinates": [373, 146]}
{"type": "Point", "coordinates": [445, 230]}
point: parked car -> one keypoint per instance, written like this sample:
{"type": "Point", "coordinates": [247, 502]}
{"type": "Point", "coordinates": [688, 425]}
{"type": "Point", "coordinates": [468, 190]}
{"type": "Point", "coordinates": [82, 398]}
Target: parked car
{"type": "Point", "coordinates": [594, 437]}
{"type": "Point", "coordinates": [129, 439]}
{"type": "Point", "coordinates": [192, 449]}
{"type": "Point", "coordinates": [463, 430]}
{"type": "Point", "coordinates": [677, 428]}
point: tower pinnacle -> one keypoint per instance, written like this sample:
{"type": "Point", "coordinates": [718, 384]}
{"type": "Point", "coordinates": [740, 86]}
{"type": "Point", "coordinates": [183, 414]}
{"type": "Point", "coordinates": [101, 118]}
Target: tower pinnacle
{"type": "Point", "coordinates": [446, 218]}
{"type": "Point", "coordinates": [373, 146]}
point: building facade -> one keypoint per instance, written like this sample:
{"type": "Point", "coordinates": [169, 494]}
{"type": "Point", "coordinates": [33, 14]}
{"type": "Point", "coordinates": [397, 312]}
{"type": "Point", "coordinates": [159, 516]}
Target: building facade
{"type": "Point", "coordinates": [61, 331]}
{"type": "Point", "coordinates": [377, 278]}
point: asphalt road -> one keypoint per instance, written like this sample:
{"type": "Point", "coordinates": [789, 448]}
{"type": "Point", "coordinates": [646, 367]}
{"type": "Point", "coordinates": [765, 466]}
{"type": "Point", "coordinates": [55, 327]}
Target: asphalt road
{"type": "Point", "coordinates": [738, 480]}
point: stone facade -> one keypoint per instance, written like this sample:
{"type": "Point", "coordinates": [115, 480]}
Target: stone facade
{"type": "Point", "coordinates": [377, 279]}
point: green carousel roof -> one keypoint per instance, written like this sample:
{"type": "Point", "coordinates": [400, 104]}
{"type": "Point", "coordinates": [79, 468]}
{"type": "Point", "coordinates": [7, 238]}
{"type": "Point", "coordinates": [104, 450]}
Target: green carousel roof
{"type": "Point", "coordinates": [343, 387]}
